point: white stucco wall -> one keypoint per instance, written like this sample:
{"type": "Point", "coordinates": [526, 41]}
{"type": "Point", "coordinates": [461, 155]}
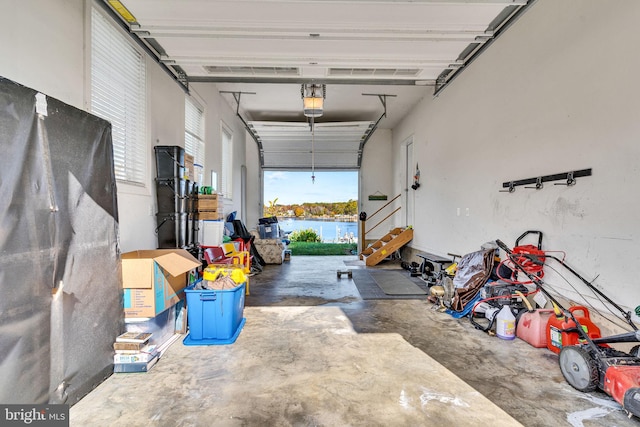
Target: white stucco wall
{"type": "Point", "coordinates": [137, 206]}
{"type": "Point", "coordinates": [218, 111]}
{"type": "Point", "coordinates": [375, 178]}
{"type": "Point", "coordinates": [557, 92]}
{"type": "Point", "coordinates": [254, 183]}
{"type": "Point", "coordinates": [43, 47]}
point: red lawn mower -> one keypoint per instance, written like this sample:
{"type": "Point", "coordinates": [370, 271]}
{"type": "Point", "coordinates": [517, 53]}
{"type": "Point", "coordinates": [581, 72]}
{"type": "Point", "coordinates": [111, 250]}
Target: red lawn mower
{"type": "Point", "coordinates": [592, 363]}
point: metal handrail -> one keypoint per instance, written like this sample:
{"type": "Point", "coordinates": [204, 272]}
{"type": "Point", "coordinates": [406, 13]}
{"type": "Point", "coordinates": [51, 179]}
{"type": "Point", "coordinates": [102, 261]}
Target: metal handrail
{"type": "Point", "coordinates": [385, 205]}
{"type": "Point", "coordinates": [363, 222]}
{"type": "Point", "coordinates": [383, 220]}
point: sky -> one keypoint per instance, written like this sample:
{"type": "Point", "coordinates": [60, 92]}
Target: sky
{"type": "Point", "coordinates": [297, 188]}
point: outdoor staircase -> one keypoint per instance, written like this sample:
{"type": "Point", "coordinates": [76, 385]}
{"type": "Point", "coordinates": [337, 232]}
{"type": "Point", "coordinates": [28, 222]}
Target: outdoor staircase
{"type": "Point", "coordinates": [388, 244]}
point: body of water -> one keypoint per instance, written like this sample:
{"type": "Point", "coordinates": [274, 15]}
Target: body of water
{"type": "Point", "coordinates": [329, 231]}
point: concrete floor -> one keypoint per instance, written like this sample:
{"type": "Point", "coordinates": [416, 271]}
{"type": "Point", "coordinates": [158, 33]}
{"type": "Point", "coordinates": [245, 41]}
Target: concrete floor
{"type": "Point", "coordinates": [313, 353]}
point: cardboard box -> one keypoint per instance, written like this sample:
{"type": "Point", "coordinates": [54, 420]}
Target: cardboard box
{"type": "Point", "coordinates": [210, 215]}
{"type": "Point", "coordinates": [154, 280]}
{"type": "Point", "coordinates": [189, 172]}
{"type": "Point", "coordinates": [144, 356]}
{"type": "Point", "coordinates": [135, 367]}
{"type": "Point", "coordinates": [210, 202]}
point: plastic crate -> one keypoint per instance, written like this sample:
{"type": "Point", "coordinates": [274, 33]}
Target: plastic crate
{"type": "Point", "coordinates": [214, 317]}
{"type": "Point", "coordinates": [169, 161]}
{"type": "Point", "coordinates": [171, 195]}
{"type": "Point", "coordinates": [172, 230]}
{"type": "Point", "coordinates": [271, 231]}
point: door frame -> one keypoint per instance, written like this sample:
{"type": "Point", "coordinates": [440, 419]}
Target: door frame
{"type": "Point", "coordinates": [409, 199]}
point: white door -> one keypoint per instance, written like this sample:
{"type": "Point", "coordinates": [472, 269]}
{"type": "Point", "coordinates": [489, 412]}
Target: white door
{"type": "Point", "coordinates": [410, 169]}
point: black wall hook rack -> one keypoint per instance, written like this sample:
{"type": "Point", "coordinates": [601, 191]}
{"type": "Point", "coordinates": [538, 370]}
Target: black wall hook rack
{"type": "Point", "coordinates": [539, 184]}
{"type": "Point", "coordinates": [568, 177]}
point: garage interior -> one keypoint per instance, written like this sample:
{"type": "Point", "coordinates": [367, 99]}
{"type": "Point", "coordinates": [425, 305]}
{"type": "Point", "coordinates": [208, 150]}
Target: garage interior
{"type": "Point", "coordinates": [481, 94]}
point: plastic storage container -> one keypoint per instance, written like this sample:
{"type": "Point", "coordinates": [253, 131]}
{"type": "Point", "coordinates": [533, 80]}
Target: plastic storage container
{"type": "Point", "coordinates": [198, 172]}
{"type": "Point", "coordinates": [172, 229]}
{"type": "Point", "coordinates": [532, 327]}
{"type": "Point", "coordinates": [169, 161]}
{"type": "Point", "coordinates": [171, 195]}
{"type": "Point", "coordinates": [214, 317]}
{"type": "Point", "coordinates": [270, 231]}
{"type": "Point", "coordinates": [212, 233]}
{"type": "Point", "coordinates": [192, 196]}
{"type": "Point", "coordinates": [559, 329]}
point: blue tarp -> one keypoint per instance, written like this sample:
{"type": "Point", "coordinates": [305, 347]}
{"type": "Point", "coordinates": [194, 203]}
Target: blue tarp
{"type": "Point", "coordinates": [467, 308]}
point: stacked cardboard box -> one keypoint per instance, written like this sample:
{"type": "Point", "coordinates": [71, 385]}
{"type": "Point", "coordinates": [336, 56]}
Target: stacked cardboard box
{"type": "Point", "coordinates": [133, 353]}
{"type": "Point", "coordinates": [210, 206]}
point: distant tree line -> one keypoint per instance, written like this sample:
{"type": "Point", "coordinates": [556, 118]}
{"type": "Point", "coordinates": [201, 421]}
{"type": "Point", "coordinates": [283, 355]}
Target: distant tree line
{"type": "Point", "coordinates": [272, 208]}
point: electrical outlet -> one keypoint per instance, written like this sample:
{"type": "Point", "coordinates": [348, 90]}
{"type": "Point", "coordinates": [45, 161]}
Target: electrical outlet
{"type": "Point", "coordinates": [466, 211]}
{"type": "Point", "coordinates": [458, 211]}
{"type": "Point", "coordinates": [150, 210]}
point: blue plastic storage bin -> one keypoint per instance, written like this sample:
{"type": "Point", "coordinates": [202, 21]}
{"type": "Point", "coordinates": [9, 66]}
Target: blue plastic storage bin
{"type": "Point", "coordinates": [214, 317]}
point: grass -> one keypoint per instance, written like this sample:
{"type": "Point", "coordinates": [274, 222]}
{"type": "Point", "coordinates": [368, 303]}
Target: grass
{"type": "Point", "coordinates": [310, 248]}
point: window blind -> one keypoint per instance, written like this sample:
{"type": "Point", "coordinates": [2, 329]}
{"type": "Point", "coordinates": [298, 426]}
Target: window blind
{"type": "Point", "coordinates": [194, 131]}
{"type": "Point", "coordinates": [118, 94]}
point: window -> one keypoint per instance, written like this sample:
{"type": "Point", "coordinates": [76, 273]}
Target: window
{"type": "Point", "coordinates": [226, 186]}
{"type": "Point", "coordinates": [194, 131]}
{"type": "Point", "coordinates": [118, 94]}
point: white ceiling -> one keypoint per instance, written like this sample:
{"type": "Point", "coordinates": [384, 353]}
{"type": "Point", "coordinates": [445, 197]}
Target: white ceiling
{"type": "Point", "coordinates": [268, 48]}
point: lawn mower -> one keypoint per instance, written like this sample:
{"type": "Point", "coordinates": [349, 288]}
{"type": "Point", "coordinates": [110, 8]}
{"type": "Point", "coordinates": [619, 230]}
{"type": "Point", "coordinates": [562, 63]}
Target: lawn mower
{"type": "Point", "coordinates": [592, 363]}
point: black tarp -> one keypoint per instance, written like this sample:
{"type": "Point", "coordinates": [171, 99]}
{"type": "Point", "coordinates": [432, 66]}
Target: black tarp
{"type": "Point", "coordinates": [60, 280]}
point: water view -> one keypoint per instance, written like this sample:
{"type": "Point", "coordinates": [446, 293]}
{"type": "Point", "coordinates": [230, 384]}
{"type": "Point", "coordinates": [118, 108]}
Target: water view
{"type": "Point", "coordinates": [329, 231]}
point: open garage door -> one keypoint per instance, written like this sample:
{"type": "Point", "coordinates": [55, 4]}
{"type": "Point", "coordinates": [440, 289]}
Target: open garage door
{"type": "Point", "coordinates": [289, 146]}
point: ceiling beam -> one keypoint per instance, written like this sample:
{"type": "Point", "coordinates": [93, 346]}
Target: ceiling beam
{"type": "Point", "coordinates": [333, 81]}
{"type": "Point", "coordinates": [304, 34]}
{"type": "Point", "coordinates": [297, 60]}
{"type": "Point", "coordinates": [394, 2]}
{"type": "Point", "coordinates": [498, 26]}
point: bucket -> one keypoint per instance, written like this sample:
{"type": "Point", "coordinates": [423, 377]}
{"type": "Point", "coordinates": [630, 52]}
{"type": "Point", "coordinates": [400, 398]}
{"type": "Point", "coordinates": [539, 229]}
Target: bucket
{"type": "Point", "coordinates": [505, 324]}
{"type": "Point", "coordinates": [561, 331]}
{"type": "Point", "coordinates": [532, 327]}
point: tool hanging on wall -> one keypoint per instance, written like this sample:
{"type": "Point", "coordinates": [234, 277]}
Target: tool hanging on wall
{"type": "Point", "coordinates": [416, 178]}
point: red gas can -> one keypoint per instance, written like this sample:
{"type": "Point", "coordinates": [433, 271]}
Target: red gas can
{"type": "Point", "coordinates": [532, 327]}
{"type": "Point", "coordinates": [557, 337]}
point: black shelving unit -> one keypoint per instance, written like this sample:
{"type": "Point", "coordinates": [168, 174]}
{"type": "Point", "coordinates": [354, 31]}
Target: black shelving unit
{"type": "Point", "coordinates": [173, 220]}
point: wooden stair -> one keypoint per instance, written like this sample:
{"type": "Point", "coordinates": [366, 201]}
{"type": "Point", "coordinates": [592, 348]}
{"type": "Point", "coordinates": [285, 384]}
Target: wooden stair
{"type": "Point", "coordinates": [388, 244]}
